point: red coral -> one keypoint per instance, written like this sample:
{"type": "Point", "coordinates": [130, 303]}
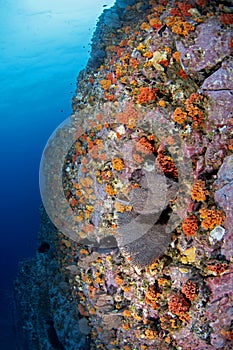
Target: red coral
{"type": "Point", "coordinates": [201, 3]}
{"type": "Point", "coordinates": [189, 289]}
{"type": "Point", "coordinates": [226, 18]}
{"type": "Point", "coordinates": [182, 74]}
{"type": "Point", "coordinates": [184, 8]}
{"type": "Point", "coordinates": [178, 305]}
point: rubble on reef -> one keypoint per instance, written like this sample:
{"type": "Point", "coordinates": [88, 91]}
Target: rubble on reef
{"type": "Point", "coordinates": [167, 289]}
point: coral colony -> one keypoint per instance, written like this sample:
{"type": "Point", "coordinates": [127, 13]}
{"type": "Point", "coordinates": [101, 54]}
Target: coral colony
{"type": "Point", "coordinates": [139, 186]}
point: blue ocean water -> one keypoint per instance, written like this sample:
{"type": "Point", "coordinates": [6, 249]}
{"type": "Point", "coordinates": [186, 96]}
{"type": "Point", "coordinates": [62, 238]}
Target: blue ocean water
{"type": "Point", "coordinates": [43, 46]}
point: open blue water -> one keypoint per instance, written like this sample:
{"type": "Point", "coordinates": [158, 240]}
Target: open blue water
{"type": "Point", "coordinates": [43, 46]}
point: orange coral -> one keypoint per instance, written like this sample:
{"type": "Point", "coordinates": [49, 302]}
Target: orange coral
{"type": "Point", "coordinates": [179, 116]}
{"type": "Point", "coordinates": [155, 23]}
{"type": "Point", "coordinates": [198, 191]}
{"type": "Point", "coordinates": [150, 334]}
{"type": "Point", "coordinates": [228, 334]}
{"type": "Point", "coordinates": [127, 313]}
{"type": "Point", "coordinates": [151, 294]}
{"type": "Point", "coordinates": [179, 26]}
{"type": "Point", "coordinates": [201, 3]}
{"type": "Point", "coordinates": [106, 83]}
{"type": "Point", "coordinates": [176, 56]}
{"type": "Point", "coordinates": [148, 54]}
{"type": "Point", "coordinates": [119, 280]}
{"type": "Point", "coordinates": [212, 217]}
{"type": "Point", "coordinates": [162, 103]}
{"type": "Point", "coordinates": [192, 107]}
{"type": "Point", "coordinates": [167, 164]}
{"type": "Point", "coordinates": [178, 305]}
{"type": "Point", "coordinates": [82, 310]}
{"type": "Point", "coordinates": [129, 114]}
{"type": "Point", "coordinates": [108, 97]}
{"type": "Point", "coordinates": [218, 268]}
{"type": "Point", "coordinates": [146, 95]}
{"type": "Point", "coordinates": [134, 62]}
{"type": "Point", "coordinates": [121, 208]}
{"type": "Point", "coordinates": [144, 146]}
{"type": "Point", "coordinates": [189, 289]}
{"type": "Point", "coordinates": [190, 225]}
{"type": "Point", "coordinates": [137, 158]}
{"type": "Point", "coordinates": [118, 164]}
{"type": "Point", "coordinates": [145, 26]}
{"type": "Point", "coordinates": [110, 190]}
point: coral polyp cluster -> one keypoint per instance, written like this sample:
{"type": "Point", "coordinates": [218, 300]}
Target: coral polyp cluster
{"type": "Point", "coordinates": [190, 225]}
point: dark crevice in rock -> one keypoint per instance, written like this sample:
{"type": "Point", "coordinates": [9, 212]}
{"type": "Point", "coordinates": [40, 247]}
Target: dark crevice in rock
{"type": "Point", "coordinates": [206, 73]}
{"type": "Point", "coordinates": [53, 337]}
{"type": "Point", "coordinates": [164, 216]}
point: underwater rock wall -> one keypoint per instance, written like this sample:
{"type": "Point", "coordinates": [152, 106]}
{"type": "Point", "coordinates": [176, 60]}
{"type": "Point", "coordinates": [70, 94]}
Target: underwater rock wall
{"type": "Point", "coordinates": [174, 61]}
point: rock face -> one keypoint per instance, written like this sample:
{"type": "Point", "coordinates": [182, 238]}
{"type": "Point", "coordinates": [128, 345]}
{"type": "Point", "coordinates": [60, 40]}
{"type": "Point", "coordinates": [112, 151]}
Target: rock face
{"type": "Point", "coordinates": [208, 47]}
{"type": "Point", "coordinates": [156, 94]}
{"type": "Point", "coordinates": [224, 198]}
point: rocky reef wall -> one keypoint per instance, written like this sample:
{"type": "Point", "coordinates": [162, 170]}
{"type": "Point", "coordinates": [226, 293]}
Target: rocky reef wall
{"type": "Point", "coordinates": [168, 64]}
